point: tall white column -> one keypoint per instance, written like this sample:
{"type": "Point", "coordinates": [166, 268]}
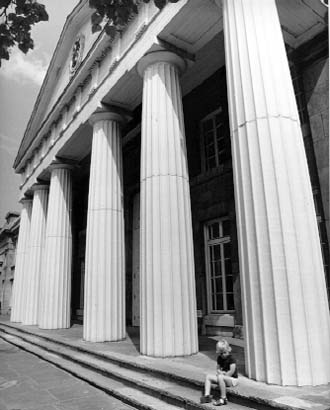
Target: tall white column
{"type": "Point", "coordinates": [21, 261]}
{"type": "Point", "coordinates": [55, 297]}
{"type": "Point", "coordinates": [168, 296]}
{"type": "Point", "coordinates": [36, 254]}
{"type": "Point", "coordinates": [286, 313]}
{"type": "Point", "coordinates": [104, 308]}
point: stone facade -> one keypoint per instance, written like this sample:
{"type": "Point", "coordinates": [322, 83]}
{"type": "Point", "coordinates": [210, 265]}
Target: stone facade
{"type": "Point", "coordinates": [181, 178]}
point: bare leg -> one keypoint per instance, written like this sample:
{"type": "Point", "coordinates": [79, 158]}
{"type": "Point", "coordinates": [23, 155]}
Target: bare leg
{"type": "Point", "coordinates": [222, 386]}
{"type": "Point", "coordinates": [210, 378]}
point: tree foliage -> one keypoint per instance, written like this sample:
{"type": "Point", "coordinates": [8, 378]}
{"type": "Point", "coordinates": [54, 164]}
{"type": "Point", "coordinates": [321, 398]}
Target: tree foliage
{"type": "Point", "coordinates": [16, 20]}
{"type": "Point", "coordinates": [116, 13]}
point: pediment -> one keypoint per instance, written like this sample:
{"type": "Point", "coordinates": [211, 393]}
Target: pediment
{"type": "Point", "coordinates": [73, 45]}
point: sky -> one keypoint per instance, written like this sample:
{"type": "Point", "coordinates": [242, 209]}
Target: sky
{"type": "Point", "coordinates": [20, 80]}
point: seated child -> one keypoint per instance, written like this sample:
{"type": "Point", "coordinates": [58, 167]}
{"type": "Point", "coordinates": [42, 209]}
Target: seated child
{"type": "Point", "coordinates": [226, 374]}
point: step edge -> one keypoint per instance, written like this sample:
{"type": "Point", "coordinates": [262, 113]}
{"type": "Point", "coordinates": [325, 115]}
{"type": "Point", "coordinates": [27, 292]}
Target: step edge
{"type": "Point", "coordinates": [161, 394]}
{"type": "Point", "coordinates": [182, 379]}
{"type": "Point", "coordinates": [112, 392]}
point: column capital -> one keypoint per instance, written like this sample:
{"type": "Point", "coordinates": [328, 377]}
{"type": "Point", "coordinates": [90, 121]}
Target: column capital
{"type": "Point", "coordinates": [110, 113]}
{"type": "Point", "coordinates": [60, 165]}
{"type": "Point", "coordinates": [161, 57]}
{"type": "Point", "coordinates": [25, 200]}
{"type": "Point", "coordinates": [39, 187]}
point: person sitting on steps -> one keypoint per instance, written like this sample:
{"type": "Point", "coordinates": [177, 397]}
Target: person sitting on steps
{"type": "Point", "coordinates": [226, 374]}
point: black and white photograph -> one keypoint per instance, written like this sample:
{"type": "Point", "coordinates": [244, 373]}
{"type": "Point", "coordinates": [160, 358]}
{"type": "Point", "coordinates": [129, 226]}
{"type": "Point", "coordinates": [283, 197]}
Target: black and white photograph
{"type": "Point", "coordinates": [164, 205]}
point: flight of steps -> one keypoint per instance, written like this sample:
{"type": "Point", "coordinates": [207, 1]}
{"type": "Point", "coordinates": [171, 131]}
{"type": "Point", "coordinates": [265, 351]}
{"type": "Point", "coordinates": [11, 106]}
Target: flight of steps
{"type": "Point", "coordinates": [139, 386]}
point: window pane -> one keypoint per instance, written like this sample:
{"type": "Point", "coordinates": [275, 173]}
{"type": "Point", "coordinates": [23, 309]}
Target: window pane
{"type": "Point", "coordinates": [229, 283]}
{"type": "Point", "coordinates": [214, 231]}
{"type": "Point", "coordinates": [221, 158]}
{"type": "Point", "coordinates": [227, 250]}
{"type": "Point", "coordinates": [211, 163]}
{"type": "Point", "coordinates": [228, 266]}
{"type": "Point", "coordinates": [208, 125]}
{"type": "Point", "coordinates": [213, 286]}
{"type": "Point", "coordinates": [226, 228]}
{"type": "Point", "coordinates": [218, 119]}
{"type": "Point", "coordinates": [218, 282]}
{"type": "Point", "coordinates": [217, 268]}
{"type": "Point", "coordinates": [219, 301]}
{"type": "Point", "coordinates": [230, 301]}
{"type": "Point", "coordinates": [219, 132]}
{"type": "Point", "coordinates": [221, 144]}
{"type": "Point", "coordinates": [217, 252]}
{"type": "Point", "coordinates": [210, 151]}
{"type": "Point", "coordinates": [209, 138]}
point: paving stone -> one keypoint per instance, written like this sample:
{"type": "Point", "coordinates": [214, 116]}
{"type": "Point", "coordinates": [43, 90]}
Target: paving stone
{"type": "Point", "coordinates": [74, 391]}
{"type": "Point", "coordinates": [38, 385]}
{"type": "Point", "coordinates": [22, 396]}
{"type": "Point", "coordinates": [47, 378]}
{"type": "Point", "coordinates": [93, 403]}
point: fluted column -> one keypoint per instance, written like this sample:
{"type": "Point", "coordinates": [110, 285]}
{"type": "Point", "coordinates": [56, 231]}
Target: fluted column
{"type": "Point", "coordinates": [286, 314]}
{"type": "Point", "coordinates": [55, 297]}
{"type": "Point", "coordinates": [104, 307]}
{"type": "Point", "coordinates": [36, 254]}
{"type": "Point", "coordinates": [21, 261]}
{"type": "Point", "coordinates": [168, 298]}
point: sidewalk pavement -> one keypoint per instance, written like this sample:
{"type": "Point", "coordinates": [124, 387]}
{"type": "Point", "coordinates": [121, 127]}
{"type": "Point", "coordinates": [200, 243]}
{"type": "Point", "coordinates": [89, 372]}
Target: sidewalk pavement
{"type": "Point", "coordinates": [195, 367]}
{"type": "Point", "coordinates": [29, 383]}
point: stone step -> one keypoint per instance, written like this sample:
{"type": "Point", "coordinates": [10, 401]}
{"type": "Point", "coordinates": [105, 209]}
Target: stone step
{"type": "Point", "coordinates": [137, 389]}
{"type": "Point", "coordinates": [171, 387]}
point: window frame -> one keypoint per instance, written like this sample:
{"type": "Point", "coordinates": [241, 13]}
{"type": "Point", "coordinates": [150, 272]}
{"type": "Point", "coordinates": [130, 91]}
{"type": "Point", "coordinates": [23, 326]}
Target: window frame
{"type": "Point", "coordinates": [209, 116]}
{"type": "Point", "coordinates": [207, 243]}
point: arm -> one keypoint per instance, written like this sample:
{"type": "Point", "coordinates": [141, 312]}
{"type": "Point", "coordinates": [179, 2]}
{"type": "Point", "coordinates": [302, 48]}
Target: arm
{"type": "Point", "coordinates": [231, 370]}
{"type": "Point", "coordinates": [220, 371]}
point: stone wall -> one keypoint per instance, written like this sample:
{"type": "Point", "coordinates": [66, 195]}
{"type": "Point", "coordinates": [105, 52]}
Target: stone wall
{"type": "Point", "coordinates": [316, 85]}
{"type": "Point", "coordinates": [212, 192]}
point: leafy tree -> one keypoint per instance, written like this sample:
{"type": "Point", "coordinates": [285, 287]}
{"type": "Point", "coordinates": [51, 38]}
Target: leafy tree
{"type": "Point", "coordinates": [16, 20]}
{"type": "Point", "coordinates": [116, 13]}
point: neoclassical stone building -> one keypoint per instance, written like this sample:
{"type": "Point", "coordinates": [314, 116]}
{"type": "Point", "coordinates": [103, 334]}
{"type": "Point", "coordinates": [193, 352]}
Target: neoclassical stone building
{"type": "Point", "coordinates": [165, 177]}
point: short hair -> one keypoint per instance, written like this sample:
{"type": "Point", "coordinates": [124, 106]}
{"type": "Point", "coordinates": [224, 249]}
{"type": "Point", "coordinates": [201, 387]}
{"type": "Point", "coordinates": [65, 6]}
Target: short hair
{"type": "Point", "coordinates": [223, 346]}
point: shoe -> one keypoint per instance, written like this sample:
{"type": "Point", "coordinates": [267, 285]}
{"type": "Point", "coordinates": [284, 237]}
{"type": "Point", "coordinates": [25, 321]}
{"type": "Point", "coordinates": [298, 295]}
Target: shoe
{"type": "Point", "coordinates": [220, 402]}
{"type": "Point", "coordinates": [206, 399]}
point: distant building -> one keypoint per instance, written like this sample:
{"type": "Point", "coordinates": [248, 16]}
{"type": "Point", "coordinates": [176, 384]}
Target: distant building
{"type": "Point", "coordinates": [165, 181]}
{"type": "Point", "coordinates": [8, 241]}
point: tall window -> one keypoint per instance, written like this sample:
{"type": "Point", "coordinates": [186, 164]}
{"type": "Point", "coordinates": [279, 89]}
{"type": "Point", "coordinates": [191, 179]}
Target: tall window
{"type": "Point", "coordinates": [215, 134]}
{"type": "Point", "coordinates": [218, 266]}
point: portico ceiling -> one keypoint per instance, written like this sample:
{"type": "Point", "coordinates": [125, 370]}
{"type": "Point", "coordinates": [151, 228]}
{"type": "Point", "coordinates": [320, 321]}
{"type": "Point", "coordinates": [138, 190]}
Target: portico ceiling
{"type": "Point", "coordinates": [197, 31]}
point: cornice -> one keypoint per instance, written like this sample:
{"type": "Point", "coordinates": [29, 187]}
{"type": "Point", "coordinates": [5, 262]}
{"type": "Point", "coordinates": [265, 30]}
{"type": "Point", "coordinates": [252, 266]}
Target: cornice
{"type": "Point", "coordinates": [73, 15]}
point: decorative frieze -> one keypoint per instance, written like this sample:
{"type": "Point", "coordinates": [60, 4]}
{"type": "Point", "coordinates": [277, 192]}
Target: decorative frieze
{"type": "Point", "coordinates": [78, 100]}
{"type": "Point", "coordinates": [113, 65]}
{"type": "Point", "coordinates": [95, 78]}
{"type": "Point", "coordinates": [53, 136]}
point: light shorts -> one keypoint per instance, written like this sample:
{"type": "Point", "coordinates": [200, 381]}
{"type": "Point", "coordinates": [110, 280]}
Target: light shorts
{"type": "Point", "coordinates": [231, 381]}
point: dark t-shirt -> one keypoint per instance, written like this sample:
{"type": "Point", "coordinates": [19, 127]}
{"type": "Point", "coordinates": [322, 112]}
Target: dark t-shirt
{"type": "Point", "coordinates": [225, 362]}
